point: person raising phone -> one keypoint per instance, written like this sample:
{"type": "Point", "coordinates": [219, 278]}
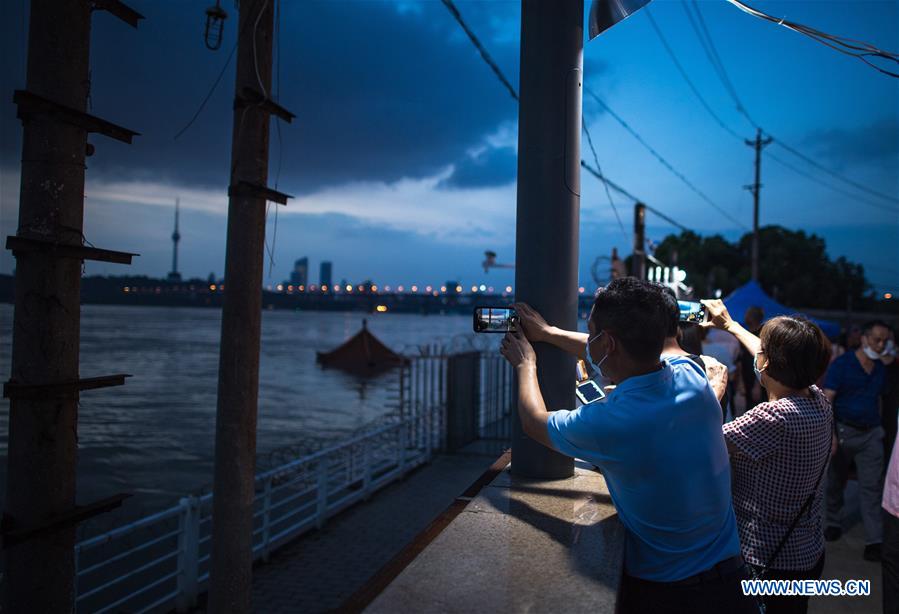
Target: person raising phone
{"type": "Point", "coordinates": [657, 440]}
{"type": "Point", "coordinates": [779, 450]}
{"type": "Point", "coordinates": [715, 371]}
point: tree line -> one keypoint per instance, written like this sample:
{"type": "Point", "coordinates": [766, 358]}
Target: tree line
{"type": "Point", "coordinates": [794, 269]}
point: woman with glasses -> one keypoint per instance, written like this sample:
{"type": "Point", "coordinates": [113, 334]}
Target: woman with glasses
{"type": "Point", "coordinates": [779, 451]}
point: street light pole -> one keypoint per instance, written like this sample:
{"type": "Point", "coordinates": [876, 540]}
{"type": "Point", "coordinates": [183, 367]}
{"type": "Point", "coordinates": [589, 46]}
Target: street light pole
{"type": "Point", "coordinates": [546, 254]}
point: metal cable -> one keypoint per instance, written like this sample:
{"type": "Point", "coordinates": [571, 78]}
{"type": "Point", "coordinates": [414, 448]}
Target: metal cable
{"type": "Point", "coordinates": [686, 78]}
{"type": "Point", "coordinates": [605, 185]}
{"type": "Point", "coordinates": [484, 55]}
{"type": "Point", "coordinates": [664, 162]}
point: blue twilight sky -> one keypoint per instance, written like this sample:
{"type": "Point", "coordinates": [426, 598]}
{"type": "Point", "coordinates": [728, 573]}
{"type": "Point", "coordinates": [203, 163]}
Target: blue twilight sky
{"type": "Point", "coordinates": [403, 153]}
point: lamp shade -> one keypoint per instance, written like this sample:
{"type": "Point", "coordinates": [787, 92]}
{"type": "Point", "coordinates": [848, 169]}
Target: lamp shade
{"type": "Point", "coordinates": [606, 13]}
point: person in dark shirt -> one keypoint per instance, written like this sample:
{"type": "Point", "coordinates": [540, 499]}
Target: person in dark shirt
{"type": "Point", "coordinates": [854, 384]}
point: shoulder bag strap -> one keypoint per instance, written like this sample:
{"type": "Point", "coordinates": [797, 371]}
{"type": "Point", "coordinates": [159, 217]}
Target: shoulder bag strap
{"type": "Point", "coordinates": [802, 510]}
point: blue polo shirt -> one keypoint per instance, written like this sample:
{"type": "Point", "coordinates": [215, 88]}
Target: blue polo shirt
{"type": "Point", "coordinates": [857, 391]}
{"type": "Point", "coordinates": [657, 439]}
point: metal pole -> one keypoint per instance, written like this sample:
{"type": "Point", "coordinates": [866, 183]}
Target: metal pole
{"type": "Point", "coordinates": [755, 188]}
{"type": "Point", "coordinates": [638, 260]}
{"type": "Point", "coordinates": [41, 463]}
{"type": "Point", "coordinates": [238, 388]}
{"type": "Point", "coordinates": [546, 254]}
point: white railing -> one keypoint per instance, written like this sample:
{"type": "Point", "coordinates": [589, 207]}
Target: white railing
{"type": "Point", "coordinates": [162, 561]}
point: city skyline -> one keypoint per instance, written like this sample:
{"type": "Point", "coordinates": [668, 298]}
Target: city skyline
{"type": "Point", "coordinates": [403, 174]}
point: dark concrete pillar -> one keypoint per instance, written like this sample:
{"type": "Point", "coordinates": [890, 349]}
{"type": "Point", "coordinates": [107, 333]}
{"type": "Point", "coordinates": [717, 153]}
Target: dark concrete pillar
{"type": "Point", "coordinates": [546, 253]}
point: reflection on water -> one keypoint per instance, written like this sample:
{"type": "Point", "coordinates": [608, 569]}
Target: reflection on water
{"type": "Point", "coordinates": [154, 436]}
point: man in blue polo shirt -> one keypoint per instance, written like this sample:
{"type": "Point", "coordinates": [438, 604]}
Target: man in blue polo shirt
{"type": "Point", "coordinates": [657, 439]}
{"type": "Point", "coordinates": [854, 384]}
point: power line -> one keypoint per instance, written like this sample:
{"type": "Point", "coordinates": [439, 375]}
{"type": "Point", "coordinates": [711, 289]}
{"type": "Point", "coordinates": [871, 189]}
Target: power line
{"type": "Point", "coordinates": [834, 174]}
{"type": "Point", "coordinates": [209, 93]}
{"type": "Point", "coordinates": [598, 174]}
{"type": "Point", "coordinates": [708, 44]}
{"type": "Point", "coordinates": [690, 83]}
{"type": "Point", "coordinates": [484, 55]}
{"type": "Point", "coordinates": [667, 219]}
{"type": "Point", "coordinates": [604, 184]}
{"type": "Point", "coordinates": [665, 162]}
{"type": "Point", "coordinates": [810, 177]}
{"type": "Point", "coordinates": [216, 82]}
{"type": "Point", "coordinates": [848, 46]}
{"type": "Point", "coordinates": [499, 74]}
{"type": "Point", "coordinates": [595, 172]}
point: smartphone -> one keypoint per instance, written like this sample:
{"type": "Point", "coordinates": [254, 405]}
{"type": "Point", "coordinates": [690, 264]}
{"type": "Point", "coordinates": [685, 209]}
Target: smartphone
{"type": "Point", "coordinates": [495, 320]}
{"type": "Point", "coordinates": [589, 392]}
{"type": "Point", "coordinates": [692, 311]}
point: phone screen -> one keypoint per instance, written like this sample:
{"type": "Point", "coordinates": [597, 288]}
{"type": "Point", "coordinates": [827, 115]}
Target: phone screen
{"type": "Point", "coordinates": [495, 320]}
{"type": "Point", "coordinates": [589, 392]}
{"type": "Point", "coordinates": [691, 311]}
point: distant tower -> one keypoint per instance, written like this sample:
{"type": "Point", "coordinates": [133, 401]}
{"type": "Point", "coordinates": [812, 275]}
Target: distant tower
{"type": "Point", "coordinates": [176, 236]}
{"type": "Point", "coordinates": [324, 274]}
{"type": "Point", "coordinates": [300, 274]}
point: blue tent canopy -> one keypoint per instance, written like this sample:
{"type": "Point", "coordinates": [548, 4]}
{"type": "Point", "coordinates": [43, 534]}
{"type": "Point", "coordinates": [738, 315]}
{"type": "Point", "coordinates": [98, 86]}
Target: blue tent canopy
{"type": "Point", "coordinates": [751, 294]}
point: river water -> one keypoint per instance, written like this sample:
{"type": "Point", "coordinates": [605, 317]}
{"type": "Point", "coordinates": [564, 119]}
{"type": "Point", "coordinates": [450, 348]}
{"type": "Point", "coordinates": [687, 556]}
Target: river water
{"type": "Point", "coordinates": [154, 436]}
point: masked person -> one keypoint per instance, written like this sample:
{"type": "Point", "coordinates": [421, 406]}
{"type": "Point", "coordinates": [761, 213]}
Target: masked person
{"type": "Point", "coordinates": [778, 451]}
{"type": "Point", "coordinates": [854, 384]}
{"type": "Point", "coordinates": [657, 440]}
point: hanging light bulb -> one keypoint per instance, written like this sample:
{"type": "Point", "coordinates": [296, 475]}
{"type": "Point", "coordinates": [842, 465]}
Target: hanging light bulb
{"type": "Point", "coordinates": [215, 25]}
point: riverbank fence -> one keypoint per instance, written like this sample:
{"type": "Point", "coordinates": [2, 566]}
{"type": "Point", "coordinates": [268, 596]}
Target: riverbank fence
{"type": "Point", "coordinates": [443, 402]}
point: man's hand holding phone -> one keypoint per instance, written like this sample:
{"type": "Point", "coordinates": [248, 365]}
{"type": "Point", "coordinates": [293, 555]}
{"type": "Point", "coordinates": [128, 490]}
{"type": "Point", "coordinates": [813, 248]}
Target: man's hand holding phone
{"type": "Point", "coordinates": [534, 326]}
{"type": "Point", "coordinates": [518, 350]}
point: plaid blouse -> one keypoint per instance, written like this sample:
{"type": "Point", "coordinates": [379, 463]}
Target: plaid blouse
{"type": "Point", "coordinates": [782, 446]}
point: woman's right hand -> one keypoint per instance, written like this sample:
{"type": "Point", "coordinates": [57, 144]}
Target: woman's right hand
{"type": "Point", "coordinates": [718, 314]}
{"type": "Point", "coordinates": [532, 323]}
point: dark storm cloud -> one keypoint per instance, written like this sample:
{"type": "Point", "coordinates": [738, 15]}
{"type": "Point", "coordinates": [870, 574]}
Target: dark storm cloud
{"type": "Point", "coordinates": [492, 167]}
{"type": "Point", "coordinates": [875, 143]}
{"type": "Point", "coordinates": [380, 91]}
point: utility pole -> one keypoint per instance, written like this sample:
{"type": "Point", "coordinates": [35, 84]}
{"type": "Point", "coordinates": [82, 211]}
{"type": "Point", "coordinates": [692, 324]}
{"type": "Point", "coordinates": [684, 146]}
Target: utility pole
{"type": "Point", "coordinates": [546, 256]}
{"type": "Point", "coordinates": [758, 144]}
{"type": "Point", "coordinates": [238, 387]}
{"type": "Point", "coordinates": [638, 260]}
{"type": "Point", "coordinates": [40, 514]}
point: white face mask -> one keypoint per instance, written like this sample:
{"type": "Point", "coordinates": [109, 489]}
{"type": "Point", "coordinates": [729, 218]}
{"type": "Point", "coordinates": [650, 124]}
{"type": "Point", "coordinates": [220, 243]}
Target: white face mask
{"type": "Point", "coordinates": [870, 353]}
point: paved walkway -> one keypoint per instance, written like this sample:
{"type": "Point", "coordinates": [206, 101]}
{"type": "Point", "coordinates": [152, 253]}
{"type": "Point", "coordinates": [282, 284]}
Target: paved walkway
{"type": "Point", "coordinates": [321, 569]}
{"type": "Point", "coordinates": [844, 562]}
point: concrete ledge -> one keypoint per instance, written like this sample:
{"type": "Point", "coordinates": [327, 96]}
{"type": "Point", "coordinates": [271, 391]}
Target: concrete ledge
{"type": "Point", "coordinates": [519, 546]}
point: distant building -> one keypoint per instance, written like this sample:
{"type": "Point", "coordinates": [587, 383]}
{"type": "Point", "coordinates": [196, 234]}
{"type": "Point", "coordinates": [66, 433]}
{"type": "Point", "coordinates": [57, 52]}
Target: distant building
{"type": "Point", "coordinates": [174, 275]}
{"type": "Point", "coordinates": [324, 274]}
{"type": "Point", "coordinates": [453, 287]}
{"type": "Point", "coordinates": [300, 274]}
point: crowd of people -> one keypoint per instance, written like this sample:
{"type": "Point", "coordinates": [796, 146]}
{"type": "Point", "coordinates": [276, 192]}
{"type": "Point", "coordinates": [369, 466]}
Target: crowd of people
{"type": "Point", "coordinates": [718, 442]}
